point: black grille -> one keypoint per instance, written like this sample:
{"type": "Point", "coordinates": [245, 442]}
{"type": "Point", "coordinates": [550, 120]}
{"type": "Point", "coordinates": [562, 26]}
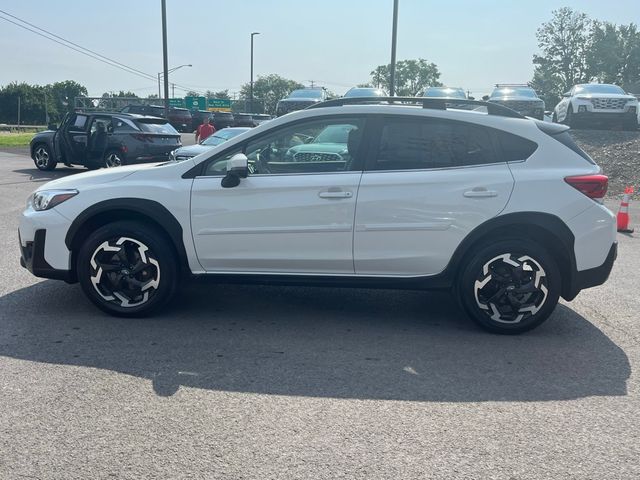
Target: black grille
{"type": "Point", "coordinates": [316, 157]}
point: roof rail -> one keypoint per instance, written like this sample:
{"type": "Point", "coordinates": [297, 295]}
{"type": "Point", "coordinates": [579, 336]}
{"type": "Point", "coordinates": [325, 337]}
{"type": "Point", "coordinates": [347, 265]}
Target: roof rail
{"type": "Point", "coordinates": [431, 103]}
{"type": "Point", "coordinates": [499, 85]}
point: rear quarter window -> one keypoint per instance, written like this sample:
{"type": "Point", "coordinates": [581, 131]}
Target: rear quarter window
{"type": "Point", "coordinates": [515, 148]}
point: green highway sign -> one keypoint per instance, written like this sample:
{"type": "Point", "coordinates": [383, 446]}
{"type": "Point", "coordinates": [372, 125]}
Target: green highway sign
{"type": "Point", "coordinates": [176, 102]}
{"type": "Point", "coordinates": [195, 103]}
{"type": "Point", "coordinates": [220, 104]}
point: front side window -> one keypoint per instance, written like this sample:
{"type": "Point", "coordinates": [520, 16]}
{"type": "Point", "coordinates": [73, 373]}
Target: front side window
{"type": "Point", "coordinates": [407, 144]}
{"type": "Point", "coordinates": [79, 123]}
{"type": "Point", "coordinates": [316, 146]}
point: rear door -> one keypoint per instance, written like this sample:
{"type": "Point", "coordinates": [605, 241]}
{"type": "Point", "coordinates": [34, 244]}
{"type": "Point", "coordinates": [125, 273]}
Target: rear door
{"type": "Point", "coordinates": [426, 185]}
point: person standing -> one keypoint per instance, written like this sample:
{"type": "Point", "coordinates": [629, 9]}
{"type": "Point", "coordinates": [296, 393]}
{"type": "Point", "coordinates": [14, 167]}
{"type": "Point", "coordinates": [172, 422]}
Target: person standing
{"type": "Point", "coordinates": [205, 130]}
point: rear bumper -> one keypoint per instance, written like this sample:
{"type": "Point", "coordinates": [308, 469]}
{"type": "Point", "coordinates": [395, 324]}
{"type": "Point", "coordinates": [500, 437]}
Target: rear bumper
{"type": "Point", "coordinates": [593, 276]}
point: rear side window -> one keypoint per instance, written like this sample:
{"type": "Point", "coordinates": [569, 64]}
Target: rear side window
{"type": "Point", "coordinates": [565, 139]}
{"type": "Point", "coordinates": [157, 127]}
{"type": "Point", "coordinates": [407, 144]}
{"type": "Point", "coordinates": [515, 148]}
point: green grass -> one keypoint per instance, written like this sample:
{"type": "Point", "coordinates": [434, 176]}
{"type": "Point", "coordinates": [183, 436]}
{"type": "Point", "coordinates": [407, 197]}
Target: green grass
{"type": "Point", "coordinates": [15, 139]}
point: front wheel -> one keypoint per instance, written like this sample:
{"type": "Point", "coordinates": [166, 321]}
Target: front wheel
{"type": "Point", "coordinates": [569, 119]}
{"type": "Point", "coordinates": [510, 286]}
{"type": "Point", "coordinates": [554, 117]}
{"type": "Point", "coordinates": [42, 158]}
{"type": "Point", "coordinates": [127, 269]}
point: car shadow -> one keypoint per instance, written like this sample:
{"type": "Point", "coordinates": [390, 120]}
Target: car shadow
{"type": "Point", "coordinates": [317, 342]}
{"type": "Point", "coordinates": [42, 176]}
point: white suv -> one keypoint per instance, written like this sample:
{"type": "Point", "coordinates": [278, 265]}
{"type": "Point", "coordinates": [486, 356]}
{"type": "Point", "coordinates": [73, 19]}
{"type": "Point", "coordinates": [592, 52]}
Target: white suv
{"type": "Point", "coordinates": [503, 210]}
{"type": "Point", "coordinates": [594, 102]}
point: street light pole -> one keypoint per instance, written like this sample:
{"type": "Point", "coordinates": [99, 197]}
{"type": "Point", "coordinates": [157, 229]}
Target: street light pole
{"type": "Point", "coordinates": [251, 82]}
{"type": "Point", "coordinates": [394, 36]}
{"type": "Point", "coordinates": [165, 58]}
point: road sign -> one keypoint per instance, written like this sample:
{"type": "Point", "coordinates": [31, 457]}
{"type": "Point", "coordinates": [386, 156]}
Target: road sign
{"type": "Point", "coordinates": [176, 102]}
{"type": "Point", "coordinates": [219, 104]}
{"type": "Point", "coordinates": [195, 103]}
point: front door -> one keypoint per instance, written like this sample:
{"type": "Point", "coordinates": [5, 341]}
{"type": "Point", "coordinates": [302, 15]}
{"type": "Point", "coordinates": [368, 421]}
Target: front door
{"type": "Point", "coordinates": [71, 139]}
{"type": "Point", "coordinates": [295, 211]}
{"type": "Point", "coordinates": [426, 185]}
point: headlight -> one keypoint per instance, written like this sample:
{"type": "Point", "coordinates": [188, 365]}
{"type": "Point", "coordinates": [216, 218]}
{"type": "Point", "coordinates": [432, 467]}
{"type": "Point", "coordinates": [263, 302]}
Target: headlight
{"type": "Point", "coordinates": [172, 155]}
{"type": "Point", "coordinates": [46, 199]}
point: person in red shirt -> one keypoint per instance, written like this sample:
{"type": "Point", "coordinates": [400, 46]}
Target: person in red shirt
{"type": "Point", "coordinates": [205, 130]}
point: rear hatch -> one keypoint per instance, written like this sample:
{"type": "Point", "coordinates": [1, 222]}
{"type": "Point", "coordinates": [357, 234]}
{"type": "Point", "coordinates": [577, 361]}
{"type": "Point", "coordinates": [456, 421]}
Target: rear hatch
{"type": "Point", "coordinates": [158, 135]}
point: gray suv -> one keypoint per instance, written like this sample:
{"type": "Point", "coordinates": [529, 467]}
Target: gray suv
{"type": "Point", "coordinates": [97, 140]}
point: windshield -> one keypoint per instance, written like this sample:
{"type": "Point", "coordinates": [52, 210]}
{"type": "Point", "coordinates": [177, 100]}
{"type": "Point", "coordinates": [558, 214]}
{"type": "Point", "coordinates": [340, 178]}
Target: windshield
{"type": "Point", "coordinates": [514, 92]}
{"type": "Point", "coordinates": [365, 92]}
{"type": "Point", "coordinates": [444, 92]}
{"type": "Point", "coordinates": [306, 93]}
{"type": "Point", "coordinates": [157, 127]}
{"type": "Point", "coordinates": [598, 88]}
{"type": "Point", "coordinates": [223, 135]}
{"type": "Point", "coordinates": [334, 134]}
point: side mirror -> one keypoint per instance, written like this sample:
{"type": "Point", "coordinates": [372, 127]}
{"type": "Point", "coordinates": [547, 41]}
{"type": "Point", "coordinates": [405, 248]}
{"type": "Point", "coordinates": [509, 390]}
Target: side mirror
{"type": "Point", "coordinates": [237, 168]}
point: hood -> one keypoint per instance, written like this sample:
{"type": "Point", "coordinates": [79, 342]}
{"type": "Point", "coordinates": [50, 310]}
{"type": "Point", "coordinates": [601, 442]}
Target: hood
{"type": "Point", "coordinates": [516, 98]}
{"type": "Point", "coordinates": [43, 134]}
{"type": "Point", "coordinates": [95, 177]}
{"type": "Point", "coordinates": [300, 99]}
{"type": "Point", "coordinates": [193, 150]}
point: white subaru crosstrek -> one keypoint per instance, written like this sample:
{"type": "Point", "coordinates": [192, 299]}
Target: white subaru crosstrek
{"type": "Point", "coordinates": [504, 211]}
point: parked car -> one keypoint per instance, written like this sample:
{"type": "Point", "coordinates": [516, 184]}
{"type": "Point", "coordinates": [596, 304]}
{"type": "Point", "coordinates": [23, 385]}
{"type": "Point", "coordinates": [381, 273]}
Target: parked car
{"type": "Point", "coordinates": [198, 117]}
{"type": "Point", "coordinates": [444, 92]}
{"type": "Point", "coordinates": [521, 98]}
{"type": "Point", "coordinates": [301, 99]}
{"type": "Point", "coordinates": [364, 92]}
{"type": "Point", "coordinates": [503, 210]}
{"type": "Point", "coordinates": [221, 136]}
{"type": "Point", "coordinates": [259, 118]}
{"type": "Point", "coordinates": [179, 118]}
{"type": "Point", "coordinates": [97, 140]}
{"type": "Point", "coordinates": [223, 120]}
{"type": "Point", "coordinates": [243, 120]}
{"type": "Point", "coordinates": [591, 103]}
{"type": "Point", "coordinates": [329, 148]}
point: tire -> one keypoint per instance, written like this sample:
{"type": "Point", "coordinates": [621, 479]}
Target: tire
{"type": "Point", "coordinates": [510, 286]}
{"type": "Point", "coordinates": [113, 158]}
{"type": "Point", "coordinates": [554, 117]}
{"type": "Point", "coordinates": [568, 119]}
{"type": "Point", "coordinates": [42, 157]}
{"type": "Point", "coordinates": [128, 269]}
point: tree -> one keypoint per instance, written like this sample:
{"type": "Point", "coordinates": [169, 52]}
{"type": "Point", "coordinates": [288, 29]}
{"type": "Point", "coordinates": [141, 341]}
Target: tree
{"type": "Point", "coordinates": [268, 90]}
{"type": "Point", "coordinates": [412, 77]}
{"type": "Point", "coordinates": [224, 94]}
{"type": "Point", "coordinates": [64, 94]}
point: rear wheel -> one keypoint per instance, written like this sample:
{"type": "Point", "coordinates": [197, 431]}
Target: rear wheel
{"type": "Point", "coordinates": [127, 269]}
{"type": "Point", "coordinates": [510, 287]}
{"type": "Point", "coordinates": [42, 157]}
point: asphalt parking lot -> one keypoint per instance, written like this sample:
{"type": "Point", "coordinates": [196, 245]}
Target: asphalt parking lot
{"type": "Point", "coordinates": [237, 382]}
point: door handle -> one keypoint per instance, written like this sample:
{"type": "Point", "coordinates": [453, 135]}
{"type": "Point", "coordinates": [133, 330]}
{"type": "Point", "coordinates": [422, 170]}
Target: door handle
{"type": "Point", "coordinates": [480, 192]}
{"type": "Point", "coordinates": [335, 194]}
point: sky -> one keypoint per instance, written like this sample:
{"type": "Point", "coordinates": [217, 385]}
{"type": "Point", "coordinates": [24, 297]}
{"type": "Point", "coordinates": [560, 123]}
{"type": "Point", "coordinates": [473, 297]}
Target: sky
{"type": "Point", "coordinates": [334, 43]}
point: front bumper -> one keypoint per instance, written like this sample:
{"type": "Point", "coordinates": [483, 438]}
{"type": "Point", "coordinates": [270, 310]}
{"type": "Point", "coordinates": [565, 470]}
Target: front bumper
{"type": "Point", "coordinates": [32, 258]}
{"type": "Point", "coordinates": [610, 116]}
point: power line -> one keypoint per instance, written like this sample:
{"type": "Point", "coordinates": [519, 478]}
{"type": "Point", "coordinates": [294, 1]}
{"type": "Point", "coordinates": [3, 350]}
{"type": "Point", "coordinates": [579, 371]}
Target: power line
{"type": "Point", "coordinates": [80, 49]}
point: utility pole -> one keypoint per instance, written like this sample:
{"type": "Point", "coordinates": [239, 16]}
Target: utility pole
{"type": "Point", "coordinates": [18, 109]}
{"type": "Point", "coordinates": [173, 90]}
{"type": "Point", "coordinates": [165, 58]}
{"type": "Point", "coordinates": [394, 36]}
{"type": "Point", "coordinates": [251, 81]}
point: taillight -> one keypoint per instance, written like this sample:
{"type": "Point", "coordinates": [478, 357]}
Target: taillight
{"type": "Point", "coordinates": [593, 186]}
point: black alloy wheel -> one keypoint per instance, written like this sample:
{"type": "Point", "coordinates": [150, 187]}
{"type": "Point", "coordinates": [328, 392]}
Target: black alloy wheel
{"type": "Point", "coordinates": [510, 287]}
{"type": "Point", "coordinates": [127, 268]}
